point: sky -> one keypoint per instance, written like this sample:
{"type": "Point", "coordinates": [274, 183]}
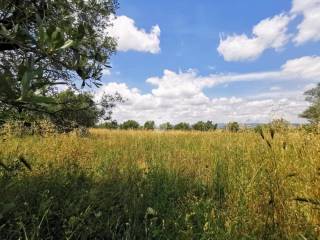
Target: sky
{"type": "Point", "coordinates": [234, 60]}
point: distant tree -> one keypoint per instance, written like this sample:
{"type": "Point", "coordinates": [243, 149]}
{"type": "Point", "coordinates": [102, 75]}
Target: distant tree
{"type": "Point", "coordinates": [233, 127]}
{"type": "Point", "coordinates": [166, 126]}
{"type": "Point", "coordinates": [130, 124]}
{"type": "Point", "coordinates": [45, 44]}
{"type": "Point", "coordinates": [182, 126]}
{"type": "Point", "coordinates": [110, 125]}
{"type": "Point", "coordinates": [211, 126]}
{"type": "Point", "coordinates": [204, 126]}
{"type": "Point", "coordinates": [80, 109]}
{"type": "Point", "coordinates": [313, 112]}
{"type": "Point", "coordinates": [149, 125]}
{"type": "Point", "coordinates": [199, 126]}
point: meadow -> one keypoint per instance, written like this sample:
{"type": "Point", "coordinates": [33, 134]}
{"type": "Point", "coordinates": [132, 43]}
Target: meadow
{"type": "Point", "coordinates": [161, 185]}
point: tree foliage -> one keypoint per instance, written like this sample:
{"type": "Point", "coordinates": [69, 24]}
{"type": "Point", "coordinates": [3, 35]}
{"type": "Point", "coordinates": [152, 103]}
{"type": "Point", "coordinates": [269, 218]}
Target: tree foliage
{"type": "Point", "coordinates": [47, 43]}
{"type": "Point", "coordinates": [182, 126]}
{"type": "Point", "coordinates": [130, 124]}
{"type": "Point", "coordinates": [313, 112]}
{"type": "Point", "coordinates": [166, 126]}
{"type": "Point", "coordinates": [109, 125]}
{"type": "Point", "coordinates": [233, 127]}
{"type": "Point", "coordinates": [204, 126]}
{"type": "Point", "coordinates": [80, 109]}
{"type": "Point", "coordinates": [149, 125]}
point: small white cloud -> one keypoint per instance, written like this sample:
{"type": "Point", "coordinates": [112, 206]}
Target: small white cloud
{"type": "Point", "coordinates": [130, 37]}
{"type": "Point", "coordinates": [309, 28]}
{"type": "Point", "coordinates": [269, 33]}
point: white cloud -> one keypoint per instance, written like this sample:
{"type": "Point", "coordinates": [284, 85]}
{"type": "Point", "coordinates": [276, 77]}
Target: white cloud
{"type": "Point", "coordinates": [269, 33]}
{"type": "Point", "coordinates": [180, 96]}
{"type": "Point", "coordinates": [143, 107]}
{"type": "Point", "coordinates": [309, 28]}
{"type": "Point", "coordinates": [305, 67]}
{"type": "Point", "coordinates": [130, 37]}
{"type": "Point", "coordinates": [272, 33]}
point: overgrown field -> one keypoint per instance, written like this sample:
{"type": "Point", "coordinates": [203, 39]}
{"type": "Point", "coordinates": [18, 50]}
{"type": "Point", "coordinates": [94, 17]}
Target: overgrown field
{"type": "Point", "coordinates": [160, 185]}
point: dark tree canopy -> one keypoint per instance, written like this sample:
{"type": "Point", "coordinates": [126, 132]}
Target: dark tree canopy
{"type": "Point", "coordinates": [130, 124]}
{"type": "Point", "coordinates": [204, 126]}
{"type": "Point", "coordinates": [313, 112]}
{"type": "Point", "coordinates": [149, 125]}
{"type": "Point", "coordinates": [80, 109]}
{"type": "Point", "coordinates": [182, 126]}
{"type": "Point", "coordinates": [109, 125]}
{"type": "Point", "coordinates": [47, 43]}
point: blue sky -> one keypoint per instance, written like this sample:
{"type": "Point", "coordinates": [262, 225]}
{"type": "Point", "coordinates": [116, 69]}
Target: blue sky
{"type": "Point", "coordinates": [246, 61]}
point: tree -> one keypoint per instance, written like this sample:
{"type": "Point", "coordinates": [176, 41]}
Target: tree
{"type": "Point", "coordinates": [80, 109]}
{"type": "Point", "coordinates": [204, 126]}
{"type": "Point", "coordinates": [233, 127]}
{"type": "Point", "coordinates": [44, 44]}
{"type": "Point", "coordinates": [109, 125]}
{"type": "Point", "coordinates": [166, 126]}
{"type": "Point", "coordinates": [313, 112]}
{"type": "Point", "coordinates": [130, 124]}
{"type": "Point", "coordinates": [211, 126]}
{"type": "Point", "coordinates": [149, 125]}
{"type": "Point", "coordinates": [182, 126]}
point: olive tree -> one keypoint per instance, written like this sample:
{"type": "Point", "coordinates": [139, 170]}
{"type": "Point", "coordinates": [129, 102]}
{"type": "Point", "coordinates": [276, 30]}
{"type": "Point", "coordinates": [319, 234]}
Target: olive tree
{"type": "Point", "coordinates": [46, 45]}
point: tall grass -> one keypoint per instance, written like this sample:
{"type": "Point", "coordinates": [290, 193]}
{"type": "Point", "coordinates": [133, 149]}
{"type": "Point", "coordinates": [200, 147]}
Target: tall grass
{"type": "Point", "coordinates": [161, 185]}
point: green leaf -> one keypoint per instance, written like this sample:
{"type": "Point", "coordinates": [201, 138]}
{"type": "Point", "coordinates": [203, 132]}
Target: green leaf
{"type": "Point", "coordinates": [43, 35]}
{"type": "Point", "coordinates": [25, 84]}
{"type": "Point", "coordinates": [67, 44]}
{"type": "Point", "coordinates": [42, 99]}
{"type": "Point", "coordinates": [56, 34]}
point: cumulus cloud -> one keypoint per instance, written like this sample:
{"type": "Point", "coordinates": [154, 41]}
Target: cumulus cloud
{"type": "Point", "coordinates": [309, 28]}
{"type": "Point", "coordinates": [272, 33]}
{"type": "Point", "coordinates": [143, 107]}
{"type": "Point", "coordinates": [269, 33]}
{"type": "Point", "coordinates": [130, 37]}
{"type": "Point", "coordinates": [180, 96]}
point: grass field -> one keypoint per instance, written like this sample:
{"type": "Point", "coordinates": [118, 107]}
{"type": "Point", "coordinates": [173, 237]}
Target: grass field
{"type": "Point", "coordinates": [161, 185]}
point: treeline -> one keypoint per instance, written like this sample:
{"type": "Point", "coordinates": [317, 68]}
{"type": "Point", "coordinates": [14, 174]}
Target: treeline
{"type": "Point", "coordinates": [275, 124]}
{"type": "Point", "coordinates": [150, 125]}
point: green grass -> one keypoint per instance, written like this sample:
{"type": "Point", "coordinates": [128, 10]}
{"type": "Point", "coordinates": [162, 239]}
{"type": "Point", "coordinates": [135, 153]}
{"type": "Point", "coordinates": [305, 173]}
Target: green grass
{"type": "Point", "coordinates": [161, 185]}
